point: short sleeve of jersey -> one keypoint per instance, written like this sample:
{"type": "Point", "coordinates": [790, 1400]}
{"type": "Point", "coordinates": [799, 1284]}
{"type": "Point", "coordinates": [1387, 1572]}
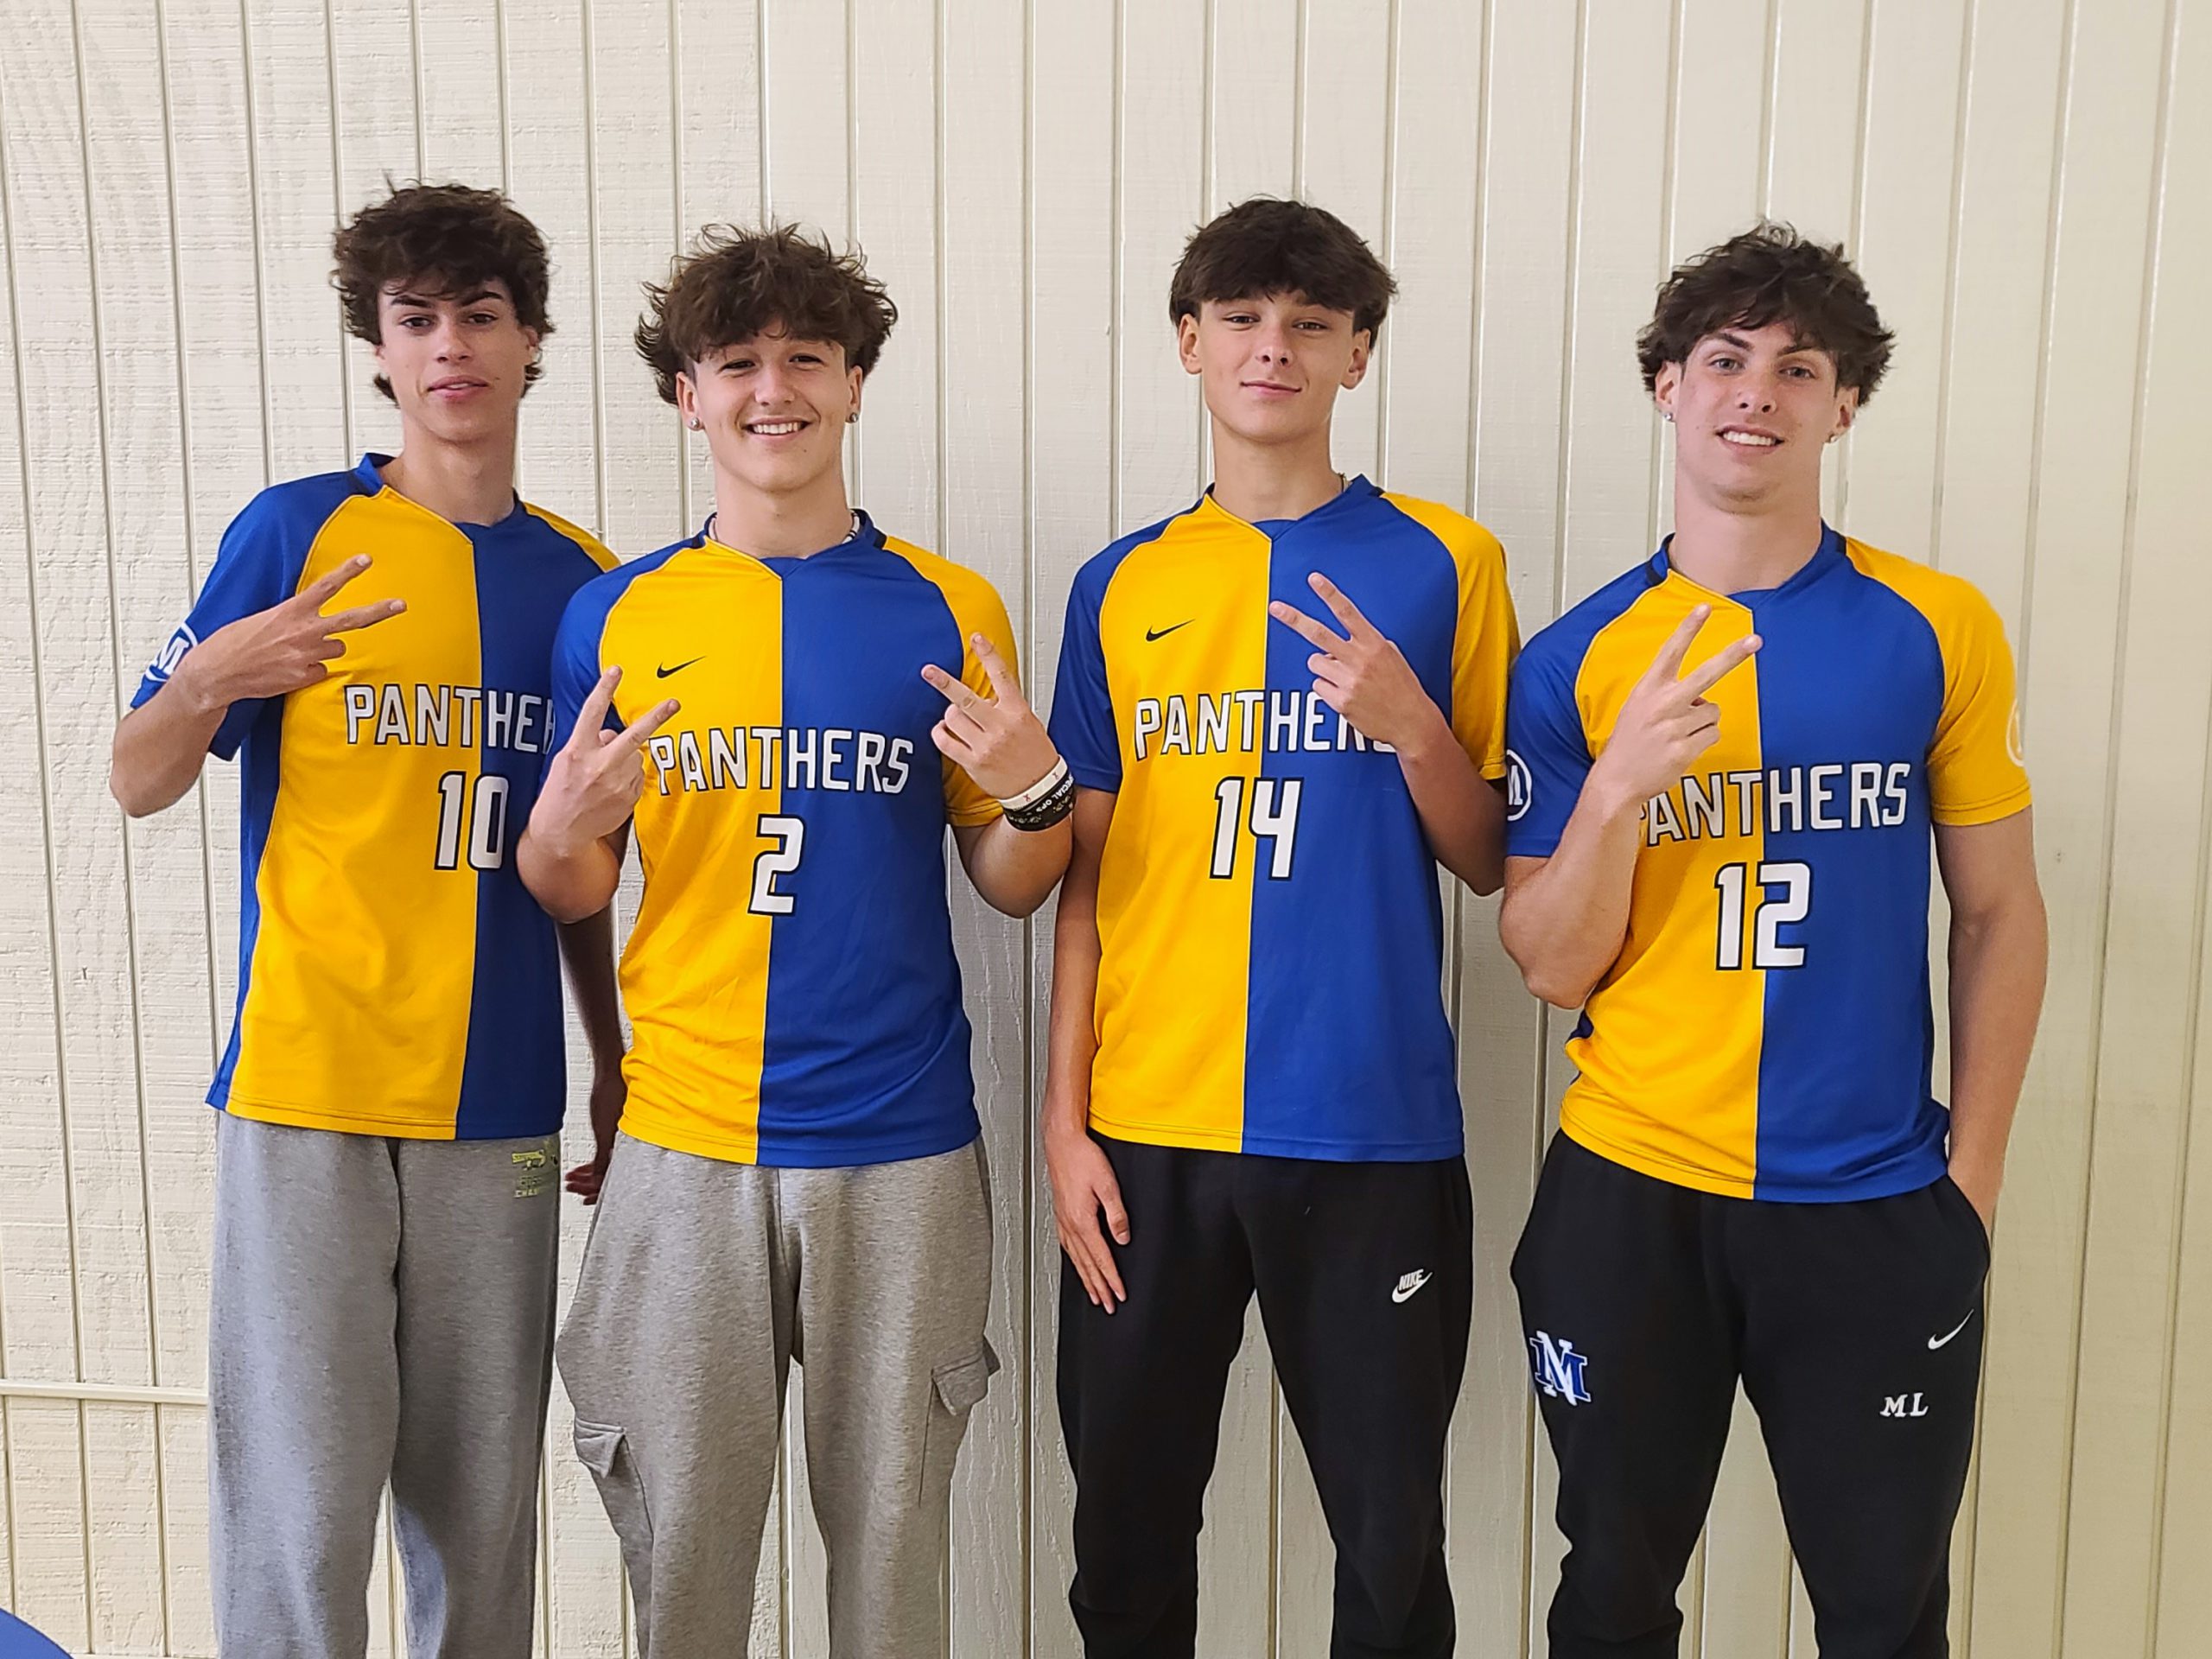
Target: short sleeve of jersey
{"type": "Point", "coordinates": [575, 659]}
{"type": "Point", "coordinates": [1482, 649]}
{"type": "Point", "coordinates": [257, 565]}
{"type": "Point", "coordinates": [1547, 753]}
{"type": "Point", "coordinates": [1083, 711]}
{"type": "Point", "coordinates": [1976, 772]}
{"type": "Point", "coordinates": [978, 608]}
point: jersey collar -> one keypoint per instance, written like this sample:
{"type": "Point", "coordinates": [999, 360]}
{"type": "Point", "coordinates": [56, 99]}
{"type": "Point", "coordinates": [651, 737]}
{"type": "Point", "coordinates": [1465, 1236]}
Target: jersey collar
{"type": "Point", "coordinates": [865, 538]}
{"type": "Point", "coordinates": [1357, 492]}
{"type": "Point", "coordinates": [369, 478]}
{"type": "Point", "coordinates": [1825, 558]}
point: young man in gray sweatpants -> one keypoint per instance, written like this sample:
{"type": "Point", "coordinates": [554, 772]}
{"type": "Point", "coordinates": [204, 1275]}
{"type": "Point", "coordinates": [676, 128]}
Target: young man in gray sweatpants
{"type": "Point", "coordinates": [797, 1173]}
{"type": "Point", "coordinates": [386, 1174]}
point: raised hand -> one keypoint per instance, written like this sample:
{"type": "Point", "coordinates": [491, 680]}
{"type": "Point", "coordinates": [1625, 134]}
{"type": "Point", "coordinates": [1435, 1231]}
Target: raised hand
{"type": "Point", "coordinates": [594, 782]}
{"type": "Point", "coordinates": [1362, 674]}
{"type": "Point", "coordinates": [1667, 723]}
{"type": "Point", "coordinates": [997, 741]}
{"type": "Point", "coordinates": [285, 648]}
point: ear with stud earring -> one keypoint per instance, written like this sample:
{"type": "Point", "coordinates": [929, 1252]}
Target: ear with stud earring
{"type": "Point", "coordinates": [853, 417]}
{"type": "Point", "coordinates": [1668, 416]}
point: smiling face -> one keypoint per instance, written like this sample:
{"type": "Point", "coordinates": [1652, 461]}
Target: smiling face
{"type": "Point", "coordinates": [774, 408]}
{"type": "Point", "coordinates": [1753, 410]}
{"type": "Point", "coordinates": [1272, 367]}
{"type": "Point", "coordinates": [456, 361]}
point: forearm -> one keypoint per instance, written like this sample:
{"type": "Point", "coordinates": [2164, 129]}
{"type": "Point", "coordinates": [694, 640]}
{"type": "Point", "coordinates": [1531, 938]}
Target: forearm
{"type": "Point", "coordinates": [570, 883]}
{"type": "Point", "coordinates": [1071, 1038]}
{"type": "Point", "coordinates": [588, 951]}
{"type": "Point", "coordinates": [161, 745]}
{"type": "Point", "coordinates": [1015, 869]}
{"type": "Point", "coordinates": [1563, 922]}
{"type": "Point", "coordinates": [1997, 963]}
{"type": "Point", "coordinates": [1463, 817]}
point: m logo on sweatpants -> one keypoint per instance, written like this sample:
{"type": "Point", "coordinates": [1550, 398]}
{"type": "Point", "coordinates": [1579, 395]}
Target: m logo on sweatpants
{"type": "Point", "coordinates": [1904, 1405]}
{"type": "Point", "coordinates": [1561, 1373]}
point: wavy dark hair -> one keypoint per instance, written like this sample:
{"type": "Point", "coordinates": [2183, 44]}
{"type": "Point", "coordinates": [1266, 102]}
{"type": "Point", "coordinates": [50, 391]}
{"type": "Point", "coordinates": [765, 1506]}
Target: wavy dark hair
{"type": "Point", "coordinates": [734, 284]}
{"type": "Point", "coordinates": [1263, 246]}
{"type": "Point", "coordinates": [1769, 274]}
{"type": "Point", "coordinates": [449, 239]}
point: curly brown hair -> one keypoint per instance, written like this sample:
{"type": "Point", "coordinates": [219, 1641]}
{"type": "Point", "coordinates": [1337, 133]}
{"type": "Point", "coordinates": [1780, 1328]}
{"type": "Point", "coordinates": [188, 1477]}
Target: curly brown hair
{"type": "Point", "coordinates": [449, 237]}
{"type": "Point", "coordinates": [734, 284]}
{"type": "Point", "coordinates": [1769, 274]}
{"type": "Point", "coordinates": [1264, 246]}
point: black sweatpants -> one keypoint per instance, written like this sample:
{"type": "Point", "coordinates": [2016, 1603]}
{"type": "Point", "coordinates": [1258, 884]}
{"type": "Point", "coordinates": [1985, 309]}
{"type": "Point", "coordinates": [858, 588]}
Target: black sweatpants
{"type": "Point", "coordinates": [1365, 1274]}
{"type": "Point", "coordinates": [1856, 1328]}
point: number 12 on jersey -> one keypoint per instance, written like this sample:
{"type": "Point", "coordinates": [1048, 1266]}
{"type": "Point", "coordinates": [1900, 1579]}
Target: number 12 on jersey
{"type": "Point", "coordinates": [1775, 910]}
{"type": "Point", "coordinates": [1273, 819]}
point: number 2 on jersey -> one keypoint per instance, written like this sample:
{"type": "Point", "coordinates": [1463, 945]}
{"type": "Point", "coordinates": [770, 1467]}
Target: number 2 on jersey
{"type": "Point", "coordinates": [1274, 819]}
{"type": "Point", "coordinates": [1794, 878]}
{"type": "Point", "coordinates": [790, 837]}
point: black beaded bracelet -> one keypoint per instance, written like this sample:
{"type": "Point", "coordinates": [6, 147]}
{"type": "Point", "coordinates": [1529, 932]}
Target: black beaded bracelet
{"type": "Point", "coordinates": [1047, 810]}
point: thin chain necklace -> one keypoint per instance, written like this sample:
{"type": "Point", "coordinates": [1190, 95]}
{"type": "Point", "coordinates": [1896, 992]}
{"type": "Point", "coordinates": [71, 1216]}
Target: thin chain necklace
{"type": "Point", "coordinates": [707, 530]}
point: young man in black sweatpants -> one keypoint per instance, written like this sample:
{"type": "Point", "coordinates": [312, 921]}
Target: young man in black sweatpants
{"type": "Point", "coordinates": [1727, 770]}
{"type": "Point", "coordinates": [1252, 1078]}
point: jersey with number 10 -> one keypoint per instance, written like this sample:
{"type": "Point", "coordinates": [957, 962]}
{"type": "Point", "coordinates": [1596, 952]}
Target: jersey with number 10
{"type": "Point", "coordinates": [791, 982]}
{"type": "Point", "coordinates": [1766, 1031]}
{"type": "Point", "coordinates": [1270, 924]}
{"type": "Point", "coordinates": [394, 976]}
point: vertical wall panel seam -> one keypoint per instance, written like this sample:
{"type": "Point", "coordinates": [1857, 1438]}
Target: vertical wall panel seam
{"type": "Point", "coordinates": [415, 67]}
{"type": "Point", "coordinates": [591, 235]}
{"type": "Point", "coordinates": [1769, 95]}
{"type": "Point", "coordinates": [1021, 1308]}
{"type": "Point", "coordinates": [506, 137]}
{"type": "Point", "coordinates": [1298, 103]}
{"type": "Point", "coordinates": [2154, 242]}
{"type": "Point", "coordinates": [1382, 360]}
{"type": "Point", "coordinates": [1652, 528]}
{"type": "Point", "coordinates": [130, 885]}
{"type": "Point", "coordinates": [260, 273]}
{"type": "Point", "coordinates": [677, 205]}
{"type": "Point", "coordinates": [337, 214]}
{"type": "Point", "coordinates": [1563, 441]}
{"type": "Point", "coordinates": [184, 460]}
{"type": "Point", "coordinates": [1475, 252]}
{"type": "Point", "coordinates": [2046, 323]}
{"type": "Point", "coordinates": [1117, 264]}
{"type": "Point", "coordinates": [855, 438]}
{"type": "Point", "coordinates": [1860, 139]}
{"type": "Point", "coordinates": [941, 400]}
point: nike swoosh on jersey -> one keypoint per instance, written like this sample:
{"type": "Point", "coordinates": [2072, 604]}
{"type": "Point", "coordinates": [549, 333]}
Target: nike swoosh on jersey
{"type": "Point", "coordinates": [1153, 634]}
{"type": "Point", "coordinates": [663, 673]}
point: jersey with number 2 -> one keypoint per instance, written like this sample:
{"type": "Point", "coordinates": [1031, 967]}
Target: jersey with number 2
{"type": "Point", "coordinates": [791, 982]}
{"type": "Point", "coordinates": [1766, 1031]}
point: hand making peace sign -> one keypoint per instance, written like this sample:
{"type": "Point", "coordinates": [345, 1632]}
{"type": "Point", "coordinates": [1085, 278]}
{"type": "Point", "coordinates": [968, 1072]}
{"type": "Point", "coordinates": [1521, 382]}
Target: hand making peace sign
{"type": "Point", "coordinates": [287, 647]}
{"type": "Point", "coordinates": [997, 741]}
{"type": "Point", "coordinates": [594, 783]}
{"type": "Point", "coordinates": [1363, 677]}
{"type": "Point", "coordinates": [1667, 723]}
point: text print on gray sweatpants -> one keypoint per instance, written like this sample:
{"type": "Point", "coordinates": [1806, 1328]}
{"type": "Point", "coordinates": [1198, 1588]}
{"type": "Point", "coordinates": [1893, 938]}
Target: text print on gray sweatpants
{"type": "Point", "coordinates": [702, 1282]}
{"type": "Point", "coordinates": [383, 1311]}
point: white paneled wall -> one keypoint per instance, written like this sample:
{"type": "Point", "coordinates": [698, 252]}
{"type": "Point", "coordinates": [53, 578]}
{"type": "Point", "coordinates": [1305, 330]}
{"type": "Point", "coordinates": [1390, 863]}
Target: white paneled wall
{"type": "Point", "coordinates": [2027, 185]}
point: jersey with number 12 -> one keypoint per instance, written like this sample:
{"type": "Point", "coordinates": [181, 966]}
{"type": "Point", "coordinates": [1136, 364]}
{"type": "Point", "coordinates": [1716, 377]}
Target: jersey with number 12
{"type": "Point", "coordinates": [791, 982]}
{"type": "Point", "coordinates": [394, 976]}
{"type": "Point", "coordinates": [1766, 1030]}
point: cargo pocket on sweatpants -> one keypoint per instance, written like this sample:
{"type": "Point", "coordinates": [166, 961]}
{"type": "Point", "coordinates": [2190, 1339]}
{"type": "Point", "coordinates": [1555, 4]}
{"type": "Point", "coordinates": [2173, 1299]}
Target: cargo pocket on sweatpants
{"type": "Point", "coordinates": [955, 1388]}
{"type": "Point", "coordinates": [605, 1451]}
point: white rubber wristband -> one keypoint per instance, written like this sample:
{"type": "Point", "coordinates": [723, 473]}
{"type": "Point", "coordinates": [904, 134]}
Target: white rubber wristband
{"type": "Point", "coordinates": [1038, 790]}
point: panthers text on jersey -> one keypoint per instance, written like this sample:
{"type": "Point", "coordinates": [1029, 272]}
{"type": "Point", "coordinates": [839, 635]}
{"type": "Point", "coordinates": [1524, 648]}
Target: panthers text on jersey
{"type": "Point", "coordinates": [1766, 1030]}
{"type": "Point", "coordinates": [394, 975]}
{"type": "Point", "coordinates": [1269, 923]}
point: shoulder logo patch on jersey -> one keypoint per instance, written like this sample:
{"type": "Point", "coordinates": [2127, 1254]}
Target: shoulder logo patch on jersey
{"type": "Point", "coordinates": [1561, 1373]}
{"type": "Point", "coordinates": [172, 653]}
{"type": "Point", "coordinates": [1520, 787]}
{"type": "Point", "coordinates": [662, 670]}
{"type": "Point", "coordinates": [1408, 1284]}
{"type": "Point", "coordinates": [1153, 636]}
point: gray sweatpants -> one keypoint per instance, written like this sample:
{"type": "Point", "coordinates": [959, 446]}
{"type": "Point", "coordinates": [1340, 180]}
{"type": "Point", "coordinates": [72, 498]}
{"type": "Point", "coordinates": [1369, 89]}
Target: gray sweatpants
{"type": "Point", "coordinates": [702, 1282]}
{"type": "Point", "coordinates": [383, 1311]}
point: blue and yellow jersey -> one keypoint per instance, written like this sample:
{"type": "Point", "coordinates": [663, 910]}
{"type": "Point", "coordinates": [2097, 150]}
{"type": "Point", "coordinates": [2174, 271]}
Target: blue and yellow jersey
{"type": "Point", "coordinates": [1766, 1031]}
{"type": "Point", "coordinates": [791, 982]}
{"type": "Point", "coordinates": [1268, 918]}
{"type": "Point", "coordinates": [394, 975]}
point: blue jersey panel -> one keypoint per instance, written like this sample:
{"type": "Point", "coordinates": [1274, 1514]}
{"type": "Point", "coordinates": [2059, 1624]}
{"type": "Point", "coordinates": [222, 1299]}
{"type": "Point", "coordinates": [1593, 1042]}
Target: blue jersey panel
{"type": "Point", "coordinates": [1845, 1110]}
{"type": "Point", "coordinates": [868, 928]}
{"type": "Point", "coordinates": [1547, 753]}
{"type": "Point", "coordinates": [1358, 856]}
{"type": "Point", "coordinates": [1082, 723]}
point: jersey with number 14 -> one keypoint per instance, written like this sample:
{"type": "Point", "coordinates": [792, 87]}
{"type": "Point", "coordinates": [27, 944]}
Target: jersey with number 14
{"type": "Point", "coordinates": [1766, 1031]}
{"type": "Point", "coordinates": [394, 976]}
{"type": "Point", "coordinates": [790, 982]}
{"type": "Point", "coordinates": [1269, 926]}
